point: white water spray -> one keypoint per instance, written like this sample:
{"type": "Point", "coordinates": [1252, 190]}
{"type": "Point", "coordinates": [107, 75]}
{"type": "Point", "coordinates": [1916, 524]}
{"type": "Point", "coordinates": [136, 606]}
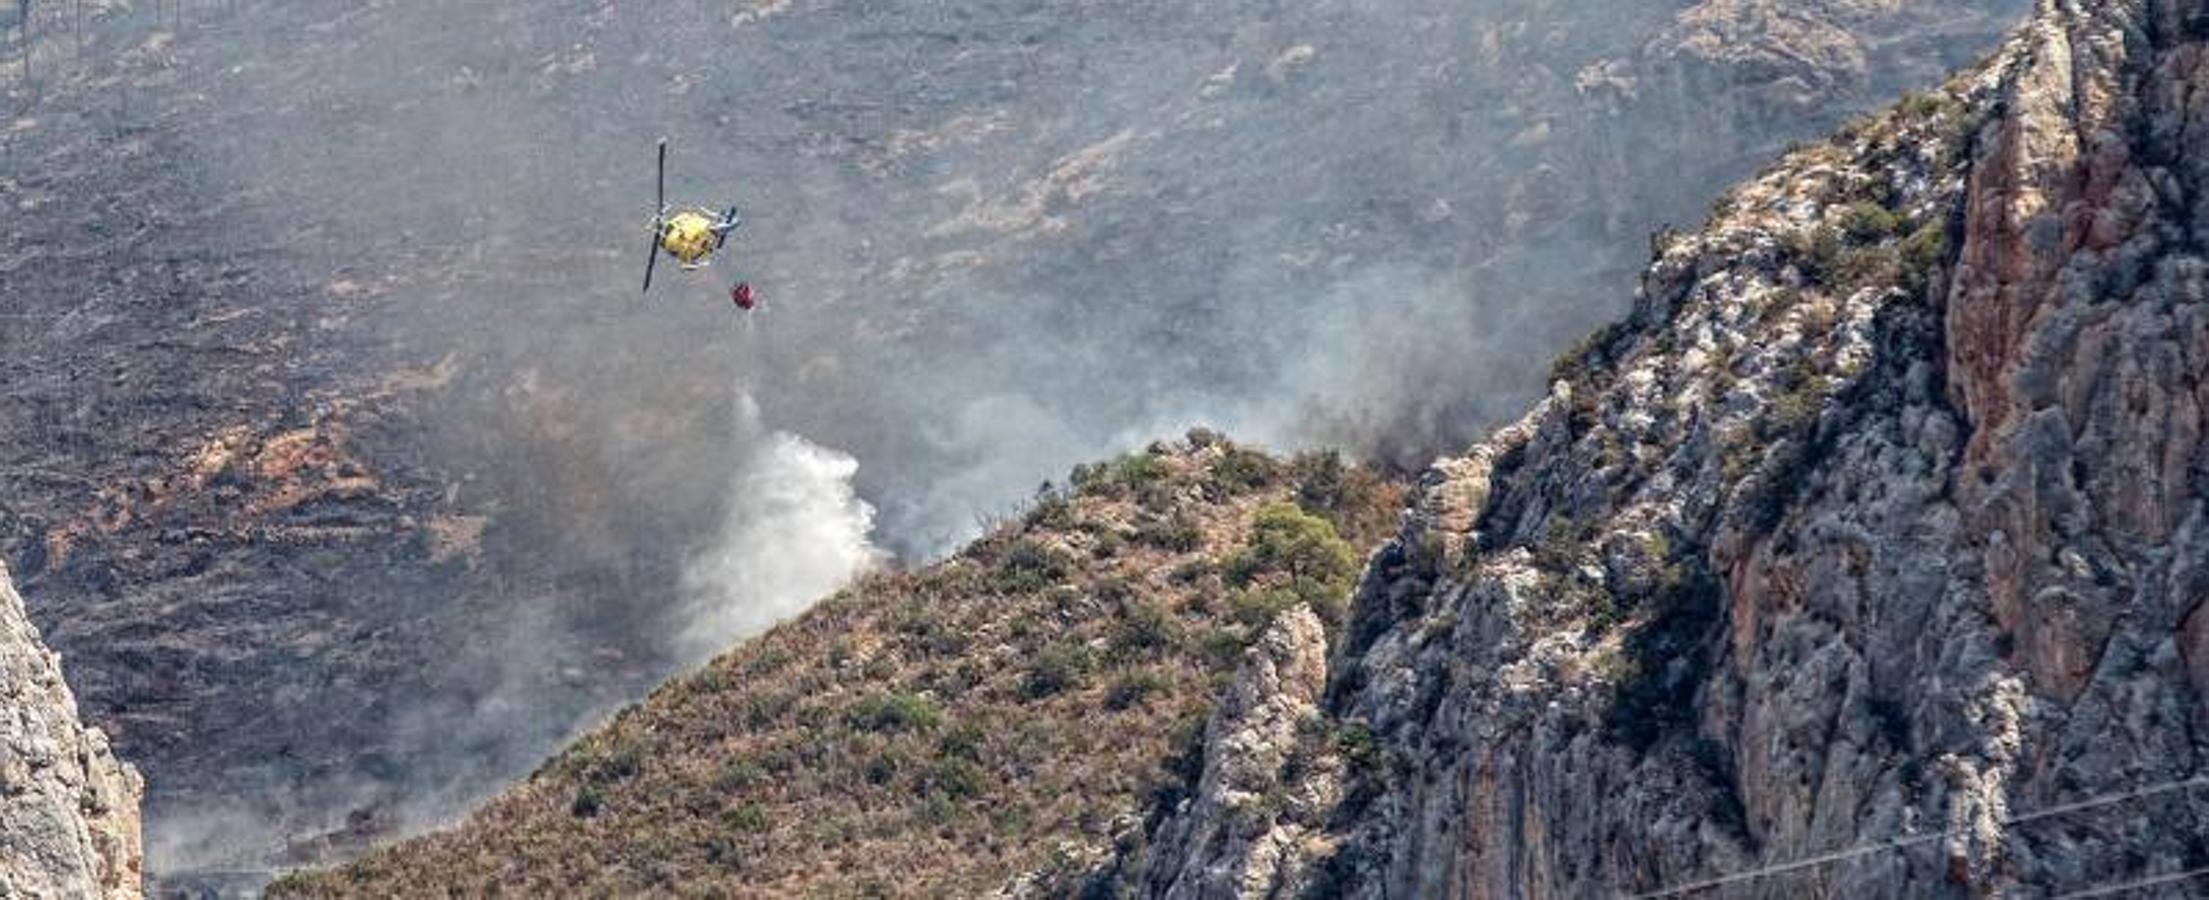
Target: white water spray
{"type": "Point", "coordinates": [795, 532]}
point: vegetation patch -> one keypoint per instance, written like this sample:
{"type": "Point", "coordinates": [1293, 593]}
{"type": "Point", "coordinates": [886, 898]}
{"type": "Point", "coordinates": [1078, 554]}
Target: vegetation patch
{"type": "Point", "coordinates": [1294, 558]}
{"type": "Point", "coordinates": [1059, 668]}
{"type": "Point", "coordinates": [1867, 222]}
{"type": "Point", "coordinates": [930, 732]}
{"type": "Point", "coordinates": [1177, 533]}
{"type": "Point", "coordinates": [896, 712]}
{"type": "Point", "coordinates": [1663, 659]}
{"type": "Point", "coordinates": [1030, 566]}
{"type": "Point", "coordinates": [1240, 470]}
{"type": "Point", "coordinates": [1133, 688]}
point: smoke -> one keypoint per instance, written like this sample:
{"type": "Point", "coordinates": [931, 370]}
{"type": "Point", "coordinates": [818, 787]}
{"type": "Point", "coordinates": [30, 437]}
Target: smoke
{"type": "Point", "coordinates": [1392, 361]}
{"type": "Point", "coordinates": [1395, 362]}
{"type": "Point", "coordinates": [795, 532]}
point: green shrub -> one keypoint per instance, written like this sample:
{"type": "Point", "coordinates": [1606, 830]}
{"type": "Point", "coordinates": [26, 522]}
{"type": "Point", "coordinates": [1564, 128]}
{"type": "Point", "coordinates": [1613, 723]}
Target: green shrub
{"type": "Point", "coordinates": [750, 818]}
{"type": "Point", "coordinates": [930, 631]}
{"type": "Point", "coordinates": [1922, 252]}
{"type": "Point", "coordinates": [1143, 629]}
{"type": "Point", "coordinates": [705, 681]}
{"type": "Point", "coordinates": [1288, 541]}
{"type": "Point", "coordinates": [936, 811]}
{"type": "Point", "coordinates": [1222, 648]}
{"type": "Point", "coordinates": [1132, 688]}
{"type": "Point", "coordinates": [1293, 558]}
{"type": "Point", "coordinates": [1602, 609]}
{"type": "Point", "coordinates": [1779, 301]}
{"type": "Point", "coordinates": [1058, 668]}
{"type": "Point", "coordinates": [1357, 746]}
{"type": "Point", "coordinates": [1240, 471]}
{"type": "Point", "coordinates": [778, 760]}
{"type": "Point", "coordinates": [1723, 208]}
{"type": "Point", "coordinates": [767, 661]}
{"type": "Point", "coordinates": [1134, 472]}
{"type": "Point", "coordinates": [1816, 251]}
{"type": "Point", "coordinates": [1030, 566]}
{"type": "Point", "coordinates": [963, 741]}
{"type": "Point", "coordinates": [1564, 543]}
{"type": "Point", "coordinates": [764, 709]}
{"type": "Point", "coordinates": [883, 767]}
{"type": "Point", "coordinates": [1192, 572]}
{"type": "Point", "coordinates": [1928, 104]}
{"type": "Point", "coordinates": [739, 774]}
{"type": "Point", "coordinates": [1867, 222]}
{"type": "Point", "coordinates": [956, 779]}
{"type": "Point", "coordinates": [1053, 512]}
{"type": "Point", "coordinates": [605, 760]}
{"type": "Point", "coordinates": [1352, 498]}
{"type": "Point", "coordinates": [1867, 267]}
{"type": "Point", "coordinates": [1113, 591]}
{"type": "Point", "coordinates": [1615, 667]}
{"type": "Point", "coordinates": [1570, 365]}
{"type": "Point", "coordinates": [1087, 478]}
{"type": "Point", "coordinates": [1257, 607]}
{"type": "Point", "coordinates": [1177, 533]}
{"type": "Point", "coordinates": [1796, 410]}
{"type": "Point", "coordinates": [1664, 660]}
{"type": "Point", "coordinates": [895, 712]}
{"type": "Point", "coordinates": [1321, 479]}
{"type": "Point", "coordinates": [589, 800]}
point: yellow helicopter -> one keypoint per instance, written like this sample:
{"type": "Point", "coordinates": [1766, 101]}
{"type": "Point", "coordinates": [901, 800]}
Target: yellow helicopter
{"type": "Point", "coordinates": [691, 234]}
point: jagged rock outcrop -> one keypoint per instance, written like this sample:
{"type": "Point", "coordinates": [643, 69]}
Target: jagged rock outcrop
{"type": "Point", "coordinates": [1881, 526]}
{"type": "Point", "coordinates": [68, 807]}
{"type": "Point", "coordinates": [1231, 827]}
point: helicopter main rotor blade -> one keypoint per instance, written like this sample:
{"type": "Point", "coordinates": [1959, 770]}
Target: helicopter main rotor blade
{"type": "Point", "coordinates": [651, 256]}
{"type": "Point", "coordinates": [662, 206]}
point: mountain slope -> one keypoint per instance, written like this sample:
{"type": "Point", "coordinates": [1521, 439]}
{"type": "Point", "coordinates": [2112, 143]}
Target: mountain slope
{"type": "Point", "coordinates": [1885, 516]}
{"type": "Point", "coordinates": [931, 733]}
{"type": "Point", "coordinates": [69, 817]}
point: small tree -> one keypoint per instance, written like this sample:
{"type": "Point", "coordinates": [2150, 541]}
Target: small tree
{"type": "Point", "coordinates": [1294, 558]}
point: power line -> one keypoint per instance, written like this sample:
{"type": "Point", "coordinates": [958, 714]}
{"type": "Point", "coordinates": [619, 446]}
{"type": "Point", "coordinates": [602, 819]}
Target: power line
{"type": "Point", "coordinates": [1823, 859]}
{"type": "Point", "coordinates": [2157, 881]}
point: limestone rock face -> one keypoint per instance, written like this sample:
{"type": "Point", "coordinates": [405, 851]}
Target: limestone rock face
{"type": "Point", "coordinates": [1882, 526]}
{"type": "Point", "coordinates": [1240, 828]}
{"type": "Point", "coordinates": [68, 807]}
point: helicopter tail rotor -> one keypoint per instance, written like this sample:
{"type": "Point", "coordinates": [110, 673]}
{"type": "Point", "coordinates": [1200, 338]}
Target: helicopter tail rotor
{"type": "Point", "coordinates": [729, 222]}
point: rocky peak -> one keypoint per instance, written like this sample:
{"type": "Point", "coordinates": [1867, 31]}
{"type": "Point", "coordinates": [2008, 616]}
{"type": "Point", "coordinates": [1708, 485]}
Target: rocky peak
{"type": "Point", "coordinates": [69, 813]}
{"type": "Point", "coordinates": [1879, 526]}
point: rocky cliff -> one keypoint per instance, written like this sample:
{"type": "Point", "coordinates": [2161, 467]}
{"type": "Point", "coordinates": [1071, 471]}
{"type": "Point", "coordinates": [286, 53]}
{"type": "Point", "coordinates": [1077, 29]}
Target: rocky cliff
{"type": "Point", "coordinates": [1869, 558]}
{"type": "Point", "coordinates": [68, 807]}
